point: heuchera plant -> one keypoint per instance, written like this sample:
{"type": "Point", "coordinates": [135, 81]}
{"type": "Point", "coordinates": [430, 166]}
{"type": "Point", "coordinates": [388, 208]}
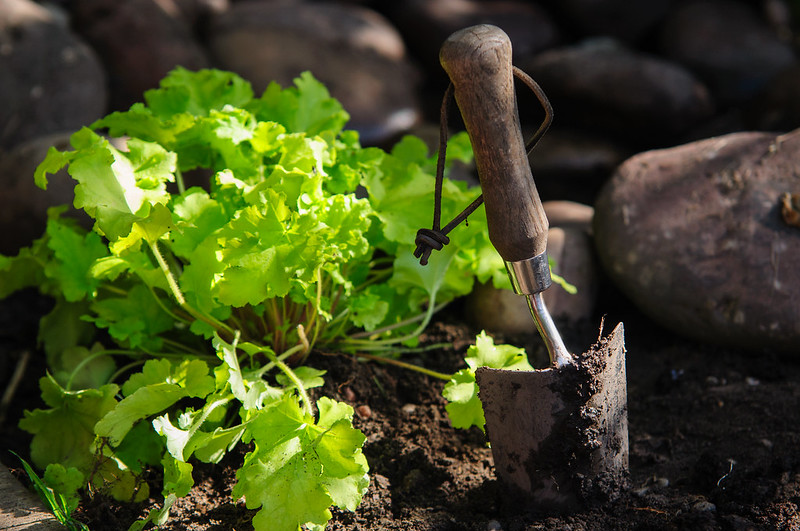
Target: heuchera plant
{"type": "Point", "coordinates": [183, 318]}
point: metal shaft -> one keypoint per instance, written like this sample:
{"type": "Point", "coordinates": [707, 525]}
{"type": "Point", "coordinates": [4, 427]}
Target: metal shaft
{"type": "Point", "coordinates": [530, 278]}
{"type": "Point", "coordinates": [559, 355]}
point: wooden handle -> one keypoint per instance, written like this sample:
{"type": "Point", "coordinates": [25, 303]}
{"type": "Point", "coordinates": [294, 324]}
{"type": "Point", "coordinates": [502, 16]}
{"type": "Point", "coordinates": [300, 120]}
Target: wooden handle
{"type": "Point", "coordinates": [478, 61]}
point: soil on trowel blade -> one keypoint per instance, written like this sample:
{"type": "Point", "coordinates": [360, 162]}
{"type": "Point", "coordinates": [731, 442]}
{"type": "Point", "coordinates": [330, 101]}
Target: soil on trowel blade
{"type": "Point", "coordinates": [559, 436]}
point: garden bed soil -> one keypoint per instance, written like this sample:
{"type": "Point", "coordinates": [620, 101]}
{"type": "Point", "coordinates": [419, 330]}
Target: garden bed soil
{"type": "Point", "coordinates": [714, 439]}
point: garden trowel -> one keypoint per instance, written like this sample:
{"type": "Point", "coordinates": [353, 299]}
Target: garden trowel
{"type": "Point", "coordinates": [559, 435]}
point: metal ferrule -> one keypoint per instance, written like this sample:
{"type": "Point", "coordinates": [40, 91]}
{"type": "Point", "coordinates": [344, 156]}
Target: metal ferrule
{"type": "Point", "coordinates": [531, 275]}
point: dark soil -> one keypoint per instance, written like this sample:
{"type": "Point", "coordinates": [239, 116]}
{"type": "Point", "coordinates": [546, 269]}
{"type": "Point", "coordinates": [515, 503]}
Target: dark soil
{"type": "Point", "coordinates": [714, 439]}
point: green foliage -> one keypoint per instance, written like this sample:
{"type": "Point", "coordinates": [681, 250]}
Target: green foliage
{"type": "Point", "coordinates": [299, 467]}
{"type": "Point", "coordinates": [228, 239]}
{"type": "Point", "coordinates": [464, 407]}
{"type": "Point", "coordinates": [58, 490]}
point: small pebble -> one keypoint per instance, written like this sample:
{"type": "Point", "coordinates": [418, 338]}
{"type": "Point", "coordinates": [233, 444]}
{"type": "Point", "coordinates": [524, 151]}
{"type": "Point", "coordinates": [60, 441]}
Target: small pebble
{"type": "Point", "coordinates": [364, 411]}
{"type": "Point", "coordinates": [494, 525]}
{"type": "Point", "coordinates": [348, 394]}
{"type": "Point", "coordinates": [704, 506]}
{"type": "Point", "coordinates": [752, 382]}
{"type": "Point", "coordinates": [767, 443]}
{"type": "Point", "coordinates": [409, 409]}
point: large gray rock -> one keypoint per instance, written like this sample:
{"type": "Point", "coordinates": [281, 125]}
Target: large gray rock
{"type": "Point", "coordinates": [607, 87]}
{"type": "Point", "coordinates": [353, 50]}
{"type": "Point", "coordinates": [49, 79]}
{"type": "Point", "coordinates": [695, 236]}
{"type": "Point", "coordinates": [139, 41]}
{"type": "Point", "coordinates": [727, 45]}
{"type": "Point", "coordinates": [627, 20]}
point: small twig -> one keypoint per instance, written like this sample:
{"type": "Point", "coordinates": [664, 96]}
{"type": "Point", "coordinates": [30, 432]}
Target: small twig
{"type": "Point", "coordinates": [13, 384]}
{"type": "Point", "coordinates": [602, 325]}
{"type": "Point", "coordinates": [649, 509]}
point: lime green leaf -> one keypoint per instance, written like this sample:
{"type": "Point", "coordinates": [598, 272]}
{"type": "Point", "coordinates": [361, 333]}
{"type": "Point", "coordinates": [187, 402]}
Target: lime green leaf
{"type": "Point", "coordinates": [368, 310]}
{"type": "Point", "coordinates": [153, 165]}
{"type": "Point", "coordinates": [64, 433]}
{"type": "Point", "coordinates": [156, 516]}
{"type": "Point", "coordinates": [192, 375]}
{"type": "Point", "coordinates": [484, 353]}
{"type": "Point", "coordinates": [80, 368]}
{"type": "Point", "coordinates": [227, 352]}
{"type": "Point", "coordinates": [65, 481]}
{"type": "Point", "coordinates": [177, 476]}
{"type": "Point", "coordinates": [196, 217]}
{"type": "Point", "coordinates": [135, 319]}
{"type": "Point", "coordinates": [158, 387]}
{"type": "Point", "coordinates": [267, 137]}
{"type": "Point", "coordinates": [208, 446]}
{"type": "Point", "coordinates": [150, 229]}
{"type": "Point", "coordinates": [197, 93]}
{"type": "Point", "coordinates": [305, 108]}
{"type": "Point", "coordinates": [287, 489]}
{"type": "Point", "coordinates": [308, 376]}
{"type": "Point", "coordinates": [24, 270]}
{"type": "Point", "coordinates": [459, 149]}
{"type": "Point", "coordinates": [75, 252]}
{"type": "Point", "coordinates": [116, 188]}
{"type": "Point", "coordinates": [140, 122]}
{"type": "Point", "coordinates": [464, 407]}
{"type": "Point", "coordinates": [53, 162]}
{"type": "Point", "coordinates": [565, 285]}
{"type": "Point", "coordinates": [144, 402]}
{"type": "Point", "coordinates": [140, 448]}
{"type": "Point", "coordinates": [299, 468]}
{"type": "Point", "coordinates": [211, 447]}
{"type": "Point", "coordinates": [113, 478]}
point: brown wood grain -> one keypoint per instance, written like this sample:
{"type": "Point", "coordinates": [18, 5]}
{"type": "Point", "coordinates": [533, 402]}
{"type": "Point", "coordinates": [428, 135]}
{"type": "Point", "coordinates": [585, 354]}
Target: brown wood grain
{"type": "Point", "coordinates": [478, 61]}
{"type": "Point", "coordinates": [21, 509]}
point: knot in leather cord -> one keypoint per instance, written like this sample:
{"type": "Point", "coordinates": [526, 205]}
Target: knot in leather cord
{"type": "Point", "coordinates": [427, 241]}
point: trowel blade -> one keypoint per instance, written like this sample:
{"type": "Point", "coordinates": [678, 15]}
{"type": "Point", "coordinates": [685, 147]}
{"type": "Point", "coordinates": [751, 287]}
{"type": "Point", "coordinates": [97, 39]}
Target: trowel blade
{"type": "Point", "coordinates": [559, 435]}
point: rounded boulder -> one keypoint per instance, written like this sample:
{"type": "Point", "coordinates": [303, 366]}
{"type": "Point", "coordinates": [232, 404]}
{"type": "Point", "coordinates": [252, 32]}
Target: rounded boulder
{"type": "Point", "coordinates": [705, 238]}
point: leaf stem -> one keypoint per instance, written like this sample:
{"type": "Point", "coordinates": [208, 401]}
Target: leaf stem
{"type": "Point", "coordinates": [405, 365]}
{"type": "Point", "coordinates": [394, 326]}
{"type": "Point", "coordinates": [288, 353]}
{"type": "Point", "coordinates": [163, 306]}
{"type": "Point", "coordinates": [124, 368]}
{"type": "Point", "coordinates": [370, 344]}
{"type": "Point", "coordinates": [301, 389]}
{"type": "Point", "coordinates": [179, 181]}
{"type": "Point", "coordinates": [178, 294]}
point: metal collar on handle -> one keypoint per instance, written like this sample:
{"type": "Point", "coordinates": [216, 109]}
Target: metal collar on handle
{"type": "Point", "coordinates": [530, 276]}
